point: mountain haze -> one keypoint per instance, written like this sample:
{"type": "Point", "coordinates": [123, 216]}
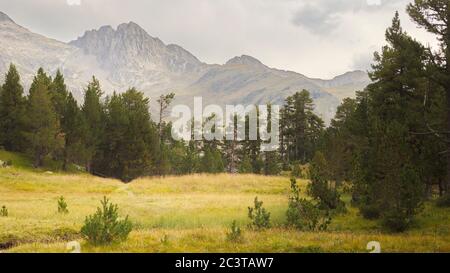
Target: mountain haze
{"type": "Point", "coordinates": [129, 57]}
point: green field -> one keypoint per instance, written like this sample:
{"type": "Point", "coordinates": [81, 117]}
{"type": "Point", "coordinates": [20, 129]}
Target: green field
{"type": "Point", "coordinates": [186, 214]}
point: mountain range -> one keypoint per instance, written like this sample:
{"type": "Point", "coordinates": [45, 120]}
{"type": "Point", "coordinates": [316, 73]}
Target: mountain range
{"type": "Point", "coordinates": [129, 57]}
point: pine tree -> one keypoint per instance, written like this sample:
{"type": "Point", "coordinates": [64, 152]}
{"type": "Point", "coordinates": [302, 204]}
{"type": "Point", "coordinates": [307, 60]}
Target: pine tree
{"type": "Point", "coordinates": [41, 79]}
{"type": "Point", "coordinates": [387, 168]}
{"type": "Point", "coordinates": [12, 112]}
{"type": "Point", "coordinates": [42, 123]}
{"type": "Point", "coordinates": [164, 102]}
{"type": "Point", "coordinates": [340, 142]}
{"type": "Point", "coordinates": [320, 188]}
{"type": "Point", "coordinates": [59, 95]}
{"type": "Point", "coordinates": [272, 163]}
{"type": "Point", "coordinates": [128, 144]}
{"type": "Point", "coordinates": [245, 165]}
{"type": "Point", "coordinates": [434, 16]}
{"type": "Point", "coordinates": [251, 148]}
{"type": "Point", "coordinates": [74, 127]}
{"type": "Point", "coordinates": [212, 161]}
{"type": "Point", "coordinates": [94, 117]}
{"type": "Point", "coordinates": [192, 159]}
{"type": "Point", "coordinates": [301, 129]}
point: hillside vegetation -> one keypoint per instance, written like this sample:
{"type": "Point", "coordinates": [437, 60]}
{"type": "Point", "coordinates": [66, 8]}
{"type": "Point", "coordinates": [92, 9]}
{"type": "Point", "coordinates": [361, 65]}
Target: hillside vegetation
{"type": "Point", "coordinates": [188, 213]}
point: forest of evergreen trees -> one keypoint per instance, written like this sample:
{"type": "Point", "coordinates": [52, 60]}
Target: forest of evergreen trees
{"type": "Point", "coordinates": [389, 145]}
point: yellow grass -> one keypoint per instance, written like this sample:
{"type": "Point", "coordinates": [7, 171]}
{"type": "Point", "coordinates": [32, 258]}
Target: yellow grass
{"type": "Point", "coordinates": [188, 214]}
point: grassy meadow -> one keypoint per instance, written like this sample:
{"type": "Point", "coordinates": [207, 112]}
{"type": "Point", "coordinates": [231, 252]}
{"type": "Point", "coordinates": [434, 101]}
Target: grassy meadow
{"type": "Point", "coordinates": [185, 214]}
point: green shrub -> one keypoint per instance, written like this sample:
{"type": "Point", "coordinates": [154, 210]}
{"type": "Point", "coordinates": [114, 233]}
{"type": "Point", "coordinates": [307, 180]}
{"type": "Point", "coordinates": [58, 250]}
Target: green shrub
{"type": "Point", "coordinates": [4, 212]}
{"type": "Point", "coordinates": [62, 205]}
{"type": "Point", "coordinates": [396, 221]}
{"type": "Point", "coordinates": [165, 240]}
{"type": "Point", "coordinates": [320, 189]}
{"type": "Point", "coordinates": [370, 212]}
{"type": "Point", "coordinates": [245, 165]}
{"type": "Point", "coordinates": [444, 201]}
{"type": "Point", "coordinates": [104, 227]}
{"type": "Point", "coordinates": [235, 234]}
{"type": "Point", "coordinates": [297, 171]}
{"type": "Point", "coordinates": [303, 214]}
{"type": "Point", "coordinates": [259, 216]}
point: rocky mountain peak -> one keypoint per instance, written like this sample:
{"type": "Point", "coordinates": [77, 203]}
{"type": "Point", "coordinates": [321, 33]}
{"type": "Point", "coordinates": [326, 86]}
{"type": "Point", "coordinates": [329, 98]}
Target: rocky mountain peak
{"type": "Point", "coordinates": [351, 77]}
{"type": "Point", "coordinates": [5, 18]}
{"type": "Point", "coordinates": [131, 48]}
{"type": "Point", "coordinates": [245, 60]}
{"type": "Point", "coordinates": [128, 56]}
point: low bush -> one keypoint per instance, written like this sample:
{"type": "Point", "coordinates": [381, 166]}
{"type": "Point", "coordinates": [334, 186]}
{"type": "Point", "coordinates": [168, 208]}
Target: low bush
{"type": "Point", "coordinates": [235, 234]}
{"type": "Point", "coordinates": [62, 205]}
{"type": "Point", "coordinates": [370, 212]}
{"type": "Point", "coordinates": [303, 214]}
{"type": "Point", "coordinates": [444, 201]}
{"type": "Point", "coordinates": [105, 227]}
{"type": "Point", "coordinates": [259, 216]}
{"type": "Point", "coordinates": [396, 221]}
{"type": "Point", "coordinates": [4, 212]}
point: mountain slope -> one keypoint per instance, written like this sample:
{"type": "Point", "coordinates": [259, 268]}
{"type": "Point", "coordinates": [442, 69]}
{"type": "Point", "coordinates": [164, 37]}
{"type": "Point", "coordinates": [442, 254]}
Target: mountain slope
{"type": "Point", "coordinates": [129, 57]}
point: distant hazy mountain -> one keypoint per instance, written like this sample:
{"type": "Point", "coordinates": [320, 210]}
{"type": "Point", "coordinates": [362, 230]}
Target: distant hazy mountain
{"type": "Point", "coordinates": [129, 57]}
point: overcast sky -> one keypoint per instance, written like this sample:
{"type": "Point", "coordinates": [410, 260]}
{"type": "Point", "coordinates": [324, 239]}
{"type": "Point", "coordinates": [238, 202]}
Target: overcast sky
{"type": "Point", "coordinates": [318, 38]}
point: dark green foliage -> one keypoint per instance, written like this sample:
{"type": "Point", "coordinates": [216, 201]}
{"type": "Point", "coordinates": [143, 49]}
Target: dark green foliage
{"type": "Point", "coordinates": [444, 201]}
{"type": "Point", "coordinates": [235, 234]}
{"type": "Point", "coordinates": [164, 102]}
{"type": "Point", "coordinates": [62, 205]}
{"type": "Point", "coordinates": [43, 130]}
{"type": "Point", "coordinates": [259, 216]}
{"type": "Point", "coordinates": [396, 221]}
{"type": "Point", "coordinates": [301, 129]}
{"type": "Point", "coordinates": [128, 144]}
{"type": "Point", "coordinates": [251, 149]}
{"type": "Point", "coordinates": [94, 117]}
{"type": "Point", "coordinates": [71, 120]}
{"type": "Point", "coordinates": [272, 163]}
{"type": "Point", "coordinates": [369, 211]}
{"type": "Point", "coordinates": [12, 112]}
{"type": "Point", "coordinates": [4, 212]}
{"type": "Point", "coordinates": [59, 93]}
{"type": "Point", "coordinates": [303, 214]}
{"type": "Point", "coordinates": [296, 171]}
{"type": "Point", "coordinates": [105, 227]}
{"type": "Point", "coordinates": [341, 141]}
{"type": "Point", "coordinates": [245, 166]}
{"type": "Point", "coordinates": [75, 130]}
{"type": "Point", "coordinates": [212, 161]}
{"type": "Point", "coordinates": [191, 159]}
{"type": "Point", "coordinates": [320, 188]}
{"type": "Point", "coordinates": [40, 79]}
{"type": "Point", "coordinates": [434, 16]}
{"type": "Point", "coordinates": [373, 139]}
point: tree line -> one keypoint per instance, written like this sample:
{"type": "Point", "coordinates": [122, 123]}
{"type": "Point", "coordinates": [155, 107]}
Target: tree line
{"type": "Point", "coordinates": [115, 135]}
